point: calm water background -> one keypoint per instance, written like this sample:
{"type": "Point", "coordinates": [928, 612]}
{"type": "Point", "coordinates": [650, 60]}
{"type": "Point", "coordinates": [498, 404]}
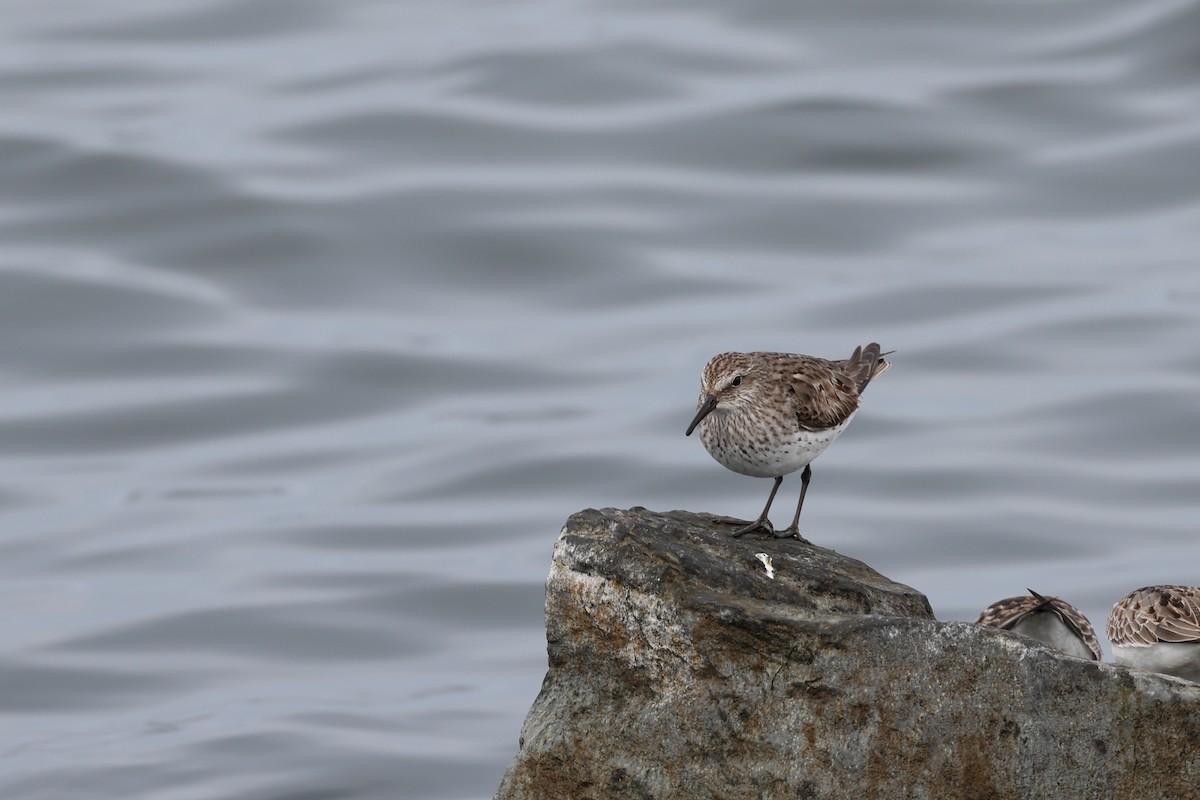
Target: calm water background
{"type": "Point", "coordinates": [317, 320]}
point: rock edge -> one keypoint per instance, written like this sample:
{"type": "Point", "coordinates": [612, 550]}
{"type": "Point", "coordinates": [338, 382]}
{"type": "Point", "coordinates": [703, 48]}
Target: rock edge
{"type": "Point", "coordinates": [679, 669]}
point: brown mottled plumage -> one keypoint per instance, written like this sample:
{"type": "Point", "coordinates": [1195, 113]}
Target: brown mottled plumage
{"type": "Point", "coordinates": [770, 414]}
{"type": "Point", "coordinates": [1158, 628]}
{"type": "Point", "coordinates": [1047, 619]}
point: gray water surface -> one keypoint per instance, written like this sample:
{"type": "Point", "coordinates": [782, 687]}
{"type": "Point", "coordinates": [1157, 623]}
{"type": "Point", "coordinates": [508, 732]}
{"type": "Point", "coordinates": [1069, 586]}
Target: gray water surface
{"type": "Point", "coordinates": [317, 320]}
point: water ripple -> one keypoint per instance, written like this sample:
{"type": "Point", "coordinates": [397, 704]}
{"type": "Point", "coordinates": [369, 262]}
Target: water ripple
{"type": "Point", "coordinates": [316, 321]}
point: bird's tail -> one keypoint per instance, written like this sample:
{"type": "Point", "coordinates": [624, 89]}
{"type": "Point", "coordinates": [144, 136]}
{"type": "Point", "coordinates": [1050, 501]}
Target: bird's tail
{"type": "Point", "coordinates": [865, 363]}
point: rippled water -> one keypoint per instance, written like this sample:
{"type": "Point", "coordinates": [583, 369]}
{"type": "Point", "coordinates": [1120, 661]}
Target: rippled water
{"type": "Point", "coordinates": [318, 319]}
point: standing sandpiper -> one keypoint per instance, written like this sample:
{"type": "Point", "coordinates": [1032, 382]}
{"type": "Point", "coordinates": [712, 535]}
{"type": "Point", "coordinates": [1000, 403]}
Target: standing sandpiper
{"type": "Point", "coordinates": [1157, 628]}
{"type": "Point", "coordinates": [770, 414]}
{"type": "Point", "coordinates": [1049, 620]}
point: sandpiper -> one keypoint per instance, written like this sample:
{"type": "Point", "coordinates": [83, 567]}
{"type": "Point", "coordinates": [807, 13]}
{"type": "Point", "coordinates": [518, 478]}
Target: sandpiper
{"type": "Point", "coordinates": [1157, 628]}
{"type": "Point", "coordinates": [770, 414]}
{"type": "Point", "coordinates": [1048, 619]}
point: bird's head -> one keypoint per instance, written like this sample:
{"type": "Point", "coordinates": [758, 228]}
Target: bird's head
{"type": "Point", "coordinates": [729, 380]}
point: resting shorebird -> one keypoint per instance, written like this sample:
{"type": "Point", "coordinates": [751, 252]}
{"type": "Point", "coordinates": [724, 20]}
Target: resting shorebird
{"type": "Point", "coordinates": [1047, 619]}
{"type": "Point", "coordinates": [1157, 628]}
{"type": "Point", "coordinates": [770, 414]}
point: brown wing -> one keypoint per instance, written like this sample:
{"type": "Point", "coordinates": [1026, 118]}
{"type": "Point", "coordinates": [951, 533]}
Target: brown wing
{"type": "Point", "coordinates": [821, 394]}
{"type": "Point", "coordinates": [1005, 613]}
{"type": "Point", "coordinates": [1127, 625]}
{"type": "Point", "coordinates": [1156, 614]}
{"type": "Point", "coordinates": [1074, 619]}
{"type": "Point", "coordinates": [1178, 614]}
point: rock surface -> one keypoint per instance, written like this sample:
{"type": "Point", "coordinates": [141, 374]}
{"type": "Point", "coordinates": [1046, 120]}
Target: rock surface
{"type": "Point", "coordinates": [679, 669]}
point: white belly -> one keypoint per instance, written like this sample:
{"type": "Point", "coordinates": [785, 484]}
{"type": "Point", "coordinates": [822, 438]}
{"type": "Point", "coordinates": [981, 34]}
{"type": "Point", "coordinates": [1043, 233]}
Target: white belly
{"type": "Point", "coordinates": [1181, 659]}
{"type": "Point", "coordinates": [761, 455]}
{"type": "Point", "coordinates": [1048, 628]}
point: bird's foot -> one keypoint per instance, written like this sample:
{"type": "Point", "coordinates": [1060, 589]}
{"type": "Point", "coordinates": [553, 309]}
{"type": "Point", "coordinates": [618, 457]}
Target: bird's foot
{"type": "Point", "coordinates": [760, 524]}
{"type": "Point", "coordinates": [791, 533]}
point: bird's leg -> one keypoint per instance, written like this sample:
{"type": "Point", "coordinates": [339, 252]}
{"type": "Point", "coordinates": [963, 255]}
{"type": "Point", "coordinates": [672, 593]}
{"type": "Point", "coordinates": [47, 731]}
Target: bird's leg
{"type": "Point", "coordinates": [794, 530]}
{"type": "Point", "coordinates": [762, 523]}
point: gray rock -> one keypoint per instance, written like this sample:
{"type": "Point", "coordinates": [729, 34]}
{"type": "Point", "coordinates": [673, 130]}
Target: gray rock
{"type": "Point", "coordinates": [679, 669]}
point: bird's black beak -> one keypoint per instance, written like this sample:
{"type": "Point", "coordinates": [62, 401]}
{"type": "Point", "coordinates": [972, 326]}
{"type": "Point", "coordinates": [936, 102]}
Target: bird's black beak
{"type": "Point", "coordinates": [710, 403]}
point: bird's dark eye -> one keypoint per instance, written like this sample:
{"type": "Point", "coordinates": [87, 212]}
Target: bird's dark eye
{"type": "Point", "coordinates": [737, 380]}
